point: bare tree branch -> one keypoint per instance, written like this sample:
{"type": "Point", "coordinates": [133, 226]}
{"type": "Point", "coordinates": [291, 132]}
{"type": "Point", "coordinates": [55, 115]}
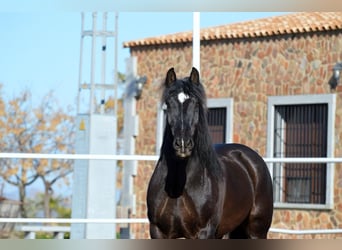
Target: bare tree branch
{"type": "Point", "coordinates": [45, 128]}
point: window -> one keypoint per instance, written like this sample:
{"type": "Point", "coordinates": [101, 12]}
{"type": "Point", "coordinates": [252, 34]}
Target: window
{"type": "Point", "coordinates": [301, 126]}
{"type": "Point", "coordinates": [220, 121]}
{"type": "Point", "coordinates": [217, 124]}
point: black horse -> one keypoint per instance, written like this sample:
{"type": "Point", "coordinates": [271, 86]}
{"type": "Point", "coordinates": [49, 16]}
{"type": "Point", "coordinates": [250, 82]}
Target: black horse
{"type": "Point", "coordinates": [201, 191]}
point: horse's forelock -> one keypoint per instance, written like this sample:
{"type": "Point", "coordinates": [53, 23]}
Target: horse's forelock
{"type": "Point", "coordinates": [189, 88]}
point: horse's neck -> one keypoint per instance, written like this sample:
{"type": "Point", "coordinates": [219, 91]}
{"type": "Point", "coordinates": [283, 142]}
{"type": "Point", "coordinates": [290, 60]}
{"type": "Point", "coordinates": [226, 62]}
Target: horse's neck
{"type": "Point", "coordinates": [176, 176]}
{"type": "Point", "coordinates": [207, 158]}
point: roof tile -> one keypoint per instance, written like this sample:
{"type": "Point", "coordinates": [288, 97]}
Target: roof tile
{"type": "Point", "coordinates": [278, 25]}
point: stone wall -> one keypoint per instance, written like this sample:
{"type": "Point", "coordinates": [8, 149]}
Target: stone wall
{"type": "Point", "coordinates": [247, 70]}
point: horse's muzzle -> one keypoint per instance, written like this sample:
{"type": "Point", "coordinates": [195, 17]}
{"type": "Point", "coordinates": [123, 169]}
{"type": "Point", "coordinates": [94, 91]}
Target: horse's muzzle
{"type": "Point", "coordinates": [183, 147]}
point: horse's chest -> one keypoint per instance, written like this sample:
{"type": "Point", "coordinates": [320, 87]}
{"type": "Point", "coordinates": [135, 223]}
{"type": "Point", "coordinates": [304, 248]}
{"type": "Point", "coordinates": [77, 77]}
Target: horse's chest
{"type": "Point", "coordinates": [173, 209]}
{"type": "Point", "coordinates": [181, 217]}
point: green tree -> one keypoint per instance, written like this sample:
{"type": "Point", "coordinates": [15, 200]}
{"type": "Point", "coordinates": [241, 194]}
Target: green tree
{"type": "Point", "coordinates": [59, 206]}
{"type": "Point", "coordinates": [24, 128]}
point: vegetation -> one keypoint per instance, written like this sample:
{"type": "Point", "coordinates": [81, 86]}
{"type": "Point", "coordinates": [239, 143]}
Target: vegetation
{"type": "Point", "coordinates": [26, 128]}
{"type": "Point", "coordinates": [31, 126]}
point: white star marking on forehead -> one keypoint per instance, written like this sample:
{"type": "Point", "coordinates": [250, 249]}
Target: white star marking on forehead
{"type": "Point", "coordinates": [182, 97]}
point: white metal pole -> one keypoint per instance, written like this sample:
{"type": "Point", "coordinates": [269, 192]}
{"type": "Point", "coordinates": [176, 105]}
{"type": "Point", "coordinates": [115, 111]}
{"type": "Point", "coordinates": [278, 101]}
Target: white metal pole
{"type": "Point", "coordinates": [104, 49]}
{"type": "Point", "coordinates": [196, 41]}
{"type": "Point", "coordinates": [80, 66]}
{"type": "Point", "coordinates": [92, 70]}
{"type": "Point", "coordinates": [116, 82]}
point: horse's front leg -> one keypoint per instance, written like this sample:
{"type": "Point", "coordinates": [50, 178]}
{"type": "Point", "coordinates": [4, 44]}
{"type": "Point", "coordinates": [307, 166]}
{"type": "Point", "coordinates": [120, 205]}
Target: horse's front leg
{"type": "Point", "coordinates": [209, 232]}
{"type": "Point", "coordinates": [156, 233]}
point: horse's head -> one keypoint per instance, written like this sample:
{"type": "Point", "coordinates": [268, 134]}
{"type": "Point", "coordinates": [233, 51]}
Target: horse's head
{"type": "Point", "coordinates": [183, 99]}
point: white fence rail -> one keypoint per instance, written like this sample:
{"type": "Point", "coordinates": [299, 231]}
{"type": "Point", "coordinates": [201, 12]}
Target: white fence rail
{"type": "Point", "coordinates": [152, 158]}
{"type": "Point", "coordinates": [148, 158]}
{"type": "Point", "coordinates": [79, 156]}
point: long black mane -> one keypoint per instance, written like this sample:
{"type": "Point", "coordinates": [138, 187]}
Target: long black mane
{"type": "Point", "coordinates": [203, 148]}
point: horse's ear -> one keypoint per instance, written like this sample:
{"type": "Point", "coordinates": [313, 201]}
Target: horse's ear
{"type": "Point", "coordinates": [170, 77]}
{"type": "Point", "coordinates": [194, 76]}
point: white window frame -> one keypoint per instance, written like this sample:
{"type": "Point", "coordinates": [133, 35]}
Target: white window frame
{"type": "Point", "coordinates": [330, 100]}
{"type": "Point", "coordinates": [211, 103]}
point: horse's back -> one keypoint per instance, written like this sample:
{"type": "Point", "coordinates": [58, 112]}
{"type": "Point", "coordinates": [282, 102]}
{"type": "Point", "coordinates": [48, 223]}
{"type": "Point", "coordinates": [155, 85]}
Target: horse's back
{"type": "Point", "coordinates": [238, 157]}
{"type": "Point", "coordinates": [248, 159]}
{"type": "Point", "coordinates": [252, 163]}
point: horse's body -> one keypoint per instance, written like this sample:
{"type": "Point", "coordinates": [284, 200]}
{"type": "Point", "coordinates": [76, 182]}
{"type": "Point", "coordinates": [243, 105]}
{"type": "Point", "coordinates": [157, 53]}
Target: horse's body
{"type": "Point", "coordinates": [201, 191]}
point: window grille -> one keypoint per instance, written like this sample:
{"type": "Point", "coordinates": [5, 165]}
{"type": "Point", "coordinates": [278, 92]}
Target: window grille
{"type": "Point", "coordinates": [217, 124]}
{"type": "Point", "coordinates": [300, 131]}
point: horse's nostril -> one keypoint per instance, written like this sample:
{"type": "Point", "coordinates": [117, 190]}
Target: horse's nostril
{"type": "Point", "coordinates": [189, 144]}
{"type": "Point", "coordinates": [177, 143]}
{"type": "Point", "coordinates": [181, 143]}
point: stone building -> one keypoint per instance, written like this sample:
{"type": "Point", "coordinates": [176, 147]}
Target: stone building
{"type": "Point", "coordinates": [267, 81]}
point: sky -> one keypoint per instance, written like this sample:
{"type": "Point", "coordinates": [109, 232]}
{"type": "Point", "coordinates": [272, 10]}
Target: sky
{"type": "Point", "coordinates": [41, 50]}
